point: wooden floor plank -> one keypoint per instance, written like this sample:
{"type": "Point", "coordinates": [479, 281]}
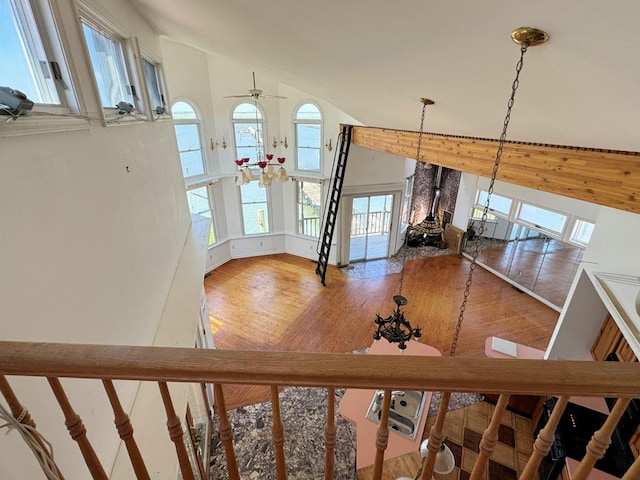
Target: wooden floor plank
{"type": "Point", "coordinates": [276, 303]}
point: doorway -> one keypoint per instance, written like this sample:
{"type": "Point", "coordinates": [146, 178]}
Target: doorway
{"type": "Point", "coordinates": [370, 227]}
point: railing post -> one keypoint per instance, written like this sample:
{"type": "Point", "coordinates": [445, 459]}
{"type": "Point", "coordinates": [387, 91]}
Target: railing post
{"type": "Point", "coordinates": [600, 440]}
{"type": "Point", "coordinates": [174, 425]}
{"type": "Point", "coordinates": [489, 439]}
{"type": "Point", "coordinates": [277, 434]}
{"type": "Point", "coordinates": [125, 430]}
{"type": "Point", "coordinates": [634, 471]}
{"type": "Point", "coordinates": [226, 436]}
{"type": "Point", "coordinates": [436, 437]}
{"type": "Point", "coordinates": [77, 430]}
{"type": "Point", "coordinates": [382, 435]}
{"type": "Point", "coordinates": [544, 441]}
{"type": "Point", "coordinates": [330, 434]}
{"type": "Point", "coordinates": [23, 416]}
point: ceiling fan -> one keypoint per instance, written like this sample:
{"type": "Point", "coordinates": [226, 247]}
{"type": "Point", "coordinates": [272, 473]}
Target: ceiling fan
{"type": "Point", "coordinates": [254, 92]}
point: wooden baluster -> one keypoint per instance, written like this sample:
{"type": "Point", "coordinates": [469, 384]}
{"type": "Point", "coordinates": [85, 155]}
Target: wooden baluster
{"type": "Point", "coordinates": [24, 417]}
{"type": "Point", "coordinates": [330, 434]}
{"type": "Point", "coordinates": [176, 433]}
{"type": "Point", "coordinates": [77, 430]}
{"type": "Point", "coordinates": [125, 430]}
{"type": "Point", "coordinates": [382, 435]}
{"type": "Point", "coordinates": [436, 437]}
{"type": "Point", "coordinates": [226, 436]}
{"type": "Point", "coordinates": [634, 471]}
{"type": "Point", "coordinates": [277, 434]}
{"type": "Point", "coordinates": [489, 439]}
{"type": "Point", "coordinates": [544, 441]}
{"type": "Point", "coordinates": [600, 440]}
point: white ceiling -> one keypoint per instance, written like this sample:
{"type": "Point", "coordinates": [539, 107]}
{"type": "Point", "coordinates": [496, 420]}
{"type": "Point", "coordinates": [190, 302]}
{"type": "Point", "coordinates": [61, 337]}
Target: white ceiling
{"type": "Point", "coordinates": [373, 59]}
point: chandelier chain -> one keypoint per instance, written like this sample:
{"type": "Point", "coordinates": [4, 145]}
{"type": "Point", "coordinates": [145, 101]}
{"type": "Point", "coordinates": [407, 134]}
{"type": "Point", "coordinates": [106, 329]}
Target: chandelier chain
{"type": "Point", "coordinates": [425, 102]}
{"type": "Point", "coordinates": [485, 210]}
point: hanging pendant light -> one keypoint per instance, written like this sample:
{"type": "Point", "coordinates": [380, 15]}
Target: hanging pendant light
{"type": "Point", "coordinates": [395, 328]}
{"type": "Point", "coordinates": [525, 37]}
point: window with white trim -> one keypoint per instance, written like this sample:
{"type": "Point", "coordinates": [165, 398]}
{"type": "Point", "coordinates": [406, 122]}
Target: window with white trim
{"type": "Point", "coordinates": [581, 232]}
{"type": "Point", "coordinates": [309, 202]}
{"type": "Point", "coordinates": [200, 204]}
{"type": "Point", "coordinates": [187, 127]}
{"type": "Point", "coordinates": [255, 208]}
{"type": "Point", "coordinates": [108, 55]}
{"type": "Point", "coordinates": [406, 198]}
{"type": "Point", "coordinates": [248, 131]}
{"type": "Point", "coordinates": [32, 57]}
{"type": "Point", "coordinates": [154, 84]}
{"type": "Point", "coordinates": [498, 204]}
{"type": "Point", "coordinates": [308, 138]}
{"type": "Point", "coordinates": [541, 218]}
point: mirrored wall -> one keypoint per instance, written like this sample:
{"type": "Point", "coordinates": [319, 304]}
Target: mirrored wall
{"type": "Point", "coordinates": [532, 259]}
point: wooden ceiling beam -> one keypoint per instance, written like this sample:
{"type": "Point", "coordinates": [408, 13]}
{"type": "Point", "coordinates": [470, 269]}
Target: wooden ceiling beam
{"type": "Point", "coordinates": [604, 177]}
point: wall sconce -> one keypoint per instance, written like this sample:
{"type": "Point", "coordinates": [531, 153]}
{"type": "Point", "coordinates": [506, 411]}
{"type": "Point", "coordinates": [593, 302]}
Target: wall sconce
{"type": "Point", "coordinates": [214, 143]}
{"type": "Point", "coordinates": [284, 142]}
{"type": "Point", "coordinates": [328, 145]}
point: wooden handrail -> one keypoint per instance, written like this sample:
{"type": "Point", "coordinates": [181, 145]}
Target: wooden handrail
{"type": "Point", "coordinates": [459, 374]}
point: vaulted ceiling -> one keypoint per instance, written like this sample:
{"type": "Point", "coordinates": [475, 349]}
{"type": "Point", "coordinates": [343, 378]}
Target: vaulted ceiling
{"type": "Point", "coordinates": [374, 59]}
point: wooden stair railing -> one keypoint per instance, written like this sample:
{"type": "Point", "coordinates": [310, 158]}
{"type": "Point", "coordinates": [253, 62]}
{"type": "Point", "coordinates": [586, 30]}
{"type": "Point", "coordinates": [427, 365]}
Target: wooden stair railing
{"type": "Point", "coordinates": [275, 369]}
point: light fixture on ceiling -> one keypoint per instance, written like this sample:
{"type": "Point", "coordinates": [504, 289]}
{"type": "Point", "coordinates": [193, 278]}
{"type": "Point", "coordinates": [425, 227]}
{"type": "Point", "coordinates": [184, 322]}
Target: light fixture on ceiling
{"type": "Point", "coordinates": [395, 328]}
{"type": "Point", "coordinates": [525, 37]}
{"type": "Point", "coordinates": [263, 159]}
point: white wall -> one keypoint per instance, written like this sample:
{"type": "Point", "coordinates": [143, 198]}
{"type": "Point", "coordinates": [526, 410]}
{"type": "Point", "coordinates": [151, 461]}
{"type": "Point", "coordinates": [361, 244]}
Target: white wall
{"type": "Point", "coordinates": [94, 222]}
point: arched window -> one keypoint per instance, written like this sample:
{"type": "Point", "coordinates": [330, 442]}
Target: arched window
{"type": "Point", "coordinates": [248, 131]}
{"type": "Point", "coordinates": [187, 125]}
{"type": "Point", "coordinates": [308, 125]}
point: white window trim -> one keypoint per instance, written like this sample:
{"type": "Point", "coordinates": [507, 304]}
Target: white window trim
{"type": "Point", "coordinates": [322, 200]}
{"type": "Point", "coordinates": [539, 228]}
{"type": "Point", "coordinates": [268, 202]}
{"type": "Point", "coordinates": [569, 231]}
{"type": "Point", "coordinates": [493, 211]}
{"type": "Point", "coordinates": [197, 121]}
{"type": "Point", "coordinates": [295, 136]}
{"type": "Point", "coordinates": [209, 186]}
{"type": "Point", "coordinates": [109, 115]}
{"type": "Point", "coordinates": [262, 120]}
{"type": "Point", "coordinates": [162, 84]}
{"type": "Point", "coordinates": [45, 118]}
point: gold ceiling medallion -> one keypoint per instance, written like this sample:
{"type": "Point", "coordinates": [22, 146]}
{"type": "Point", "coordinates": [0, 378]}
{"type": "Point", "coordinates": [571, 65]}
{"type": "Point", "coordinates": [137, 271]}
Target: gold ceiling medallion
{"type": "Point", "coordinates": [426, 101]}
{"type": "Point", "coordinates": [529, 36]}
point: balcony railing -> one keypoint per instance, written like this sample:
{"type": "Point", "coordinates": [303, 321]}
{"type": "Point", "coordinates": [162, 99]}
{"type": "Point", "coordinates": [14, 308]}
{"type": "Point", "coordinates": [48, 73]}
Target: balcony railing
{"type": "Point", "coordinates": [218, 367]}
{"type": "Point", "coordinates": [371, 223]}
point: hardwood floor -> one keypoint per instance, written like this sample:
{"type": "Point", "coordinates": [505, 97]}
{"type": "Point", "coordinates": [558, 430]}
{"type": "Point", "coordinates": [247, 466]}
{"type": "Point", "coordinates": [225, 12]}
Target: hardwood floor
{"type": "Point", "coordinates": [277, 303]}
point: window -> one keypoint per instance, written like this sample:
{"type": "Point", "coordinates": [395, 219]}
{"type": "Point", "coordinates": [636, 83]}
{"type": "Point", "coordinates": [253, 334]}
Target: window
{"type": "Point", "coordinates": [255, 209]}
{"type": "Point", "coordinates": [151, 72]}
{"type": "Point", "coordinates": [108, 55]}
{"type": "Point", "coordinates": [477, 215]}
{"type": "Point", "coordinates": [248, 132]}
{"type": "Point", "coordinates": [200, 204]}
{"type": "Point", "coordinates": [32, 57]}
{"type": "Point", "coordinates": [581, 232]}
{"type": "Point", "coordinates": [498, 204]}
{"type": "Point", "coordinates": [308, 125]}
{"type": "Point", "coordinates": [541, 218]}
{"type": "Point", "coordinates": [406, 198]}
{"type": "Point", "coordinates": [309, 200]}
{"type": "Point", "coordinates": [187, 127]}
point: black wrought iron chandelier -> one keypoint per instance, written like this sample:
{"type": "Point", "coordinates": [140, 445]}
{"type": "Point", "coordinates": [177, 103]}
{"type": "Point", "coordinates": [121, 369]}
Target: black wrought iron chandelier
{"type": "Point", "coordinates": [395, 328]}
